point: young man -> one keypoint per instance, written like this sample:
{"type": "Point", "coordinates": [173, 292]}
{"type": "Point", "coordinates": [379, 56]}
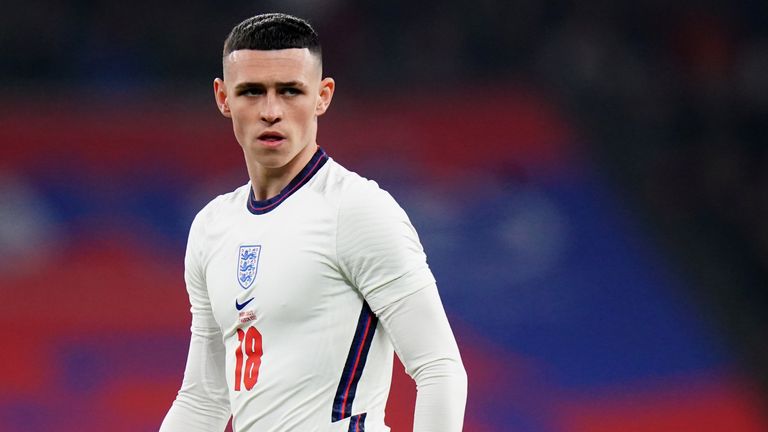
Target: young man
{"type": "Point", "coordinates": [304, 280]}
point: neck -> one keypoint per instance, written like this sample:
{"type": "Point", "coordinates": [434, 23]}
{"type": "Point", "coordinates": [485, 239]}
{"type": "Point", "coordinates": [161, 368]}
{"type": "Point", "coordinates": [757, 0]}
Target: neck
{"type": "Point", "coordinates": [268, 182]}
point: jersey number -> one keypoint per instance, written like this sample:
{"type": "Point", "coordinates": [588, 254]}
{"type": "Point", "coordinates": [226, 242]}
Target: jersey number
{"type": "Point", "coordinates": [249, 342]}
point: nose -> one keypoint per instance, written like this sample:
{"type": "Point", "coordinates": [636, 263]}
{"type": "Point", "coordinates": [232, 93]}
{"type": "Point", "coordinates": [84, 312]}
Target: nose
{"type": "Point", "coordinates": [271, 110]}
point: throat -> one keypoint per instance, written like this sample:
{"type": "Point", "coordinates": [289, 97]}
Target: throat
{"type": "Point", "coordinates": [267, 192]}
{"type": "Point", "coordinates": [266, 188]}
{"type": "Point", "coordinates": [268, 182]}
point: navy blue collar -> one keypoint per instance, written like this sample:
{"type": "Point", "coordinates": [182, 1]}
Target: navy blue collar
{"type": "Point", "coordinates": [313, 166]}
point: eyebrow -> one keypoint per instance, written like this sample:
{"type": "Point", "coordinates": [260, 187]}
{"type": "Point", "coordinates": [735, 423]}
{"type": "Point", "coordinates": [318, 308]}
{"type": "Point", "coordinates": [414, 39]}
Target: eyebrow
{"type": "Point", "coordinates": [279, 84]}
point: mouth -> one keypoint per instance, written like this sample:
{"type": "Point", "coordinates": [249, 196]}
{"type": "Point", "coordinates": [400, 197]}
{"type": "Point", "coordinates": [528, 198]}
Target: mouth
{"type": "Point", "coordinates": [271, 138]}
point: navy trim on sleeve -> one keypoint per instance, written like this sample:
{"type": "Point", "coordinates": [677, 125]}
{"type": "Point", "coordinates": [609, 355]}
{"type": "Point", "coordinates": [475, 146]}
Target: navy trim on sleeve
{"type": "Point", "coordinates": [357, 423]}
{"type": "Point", "coordinates": [353, 368]}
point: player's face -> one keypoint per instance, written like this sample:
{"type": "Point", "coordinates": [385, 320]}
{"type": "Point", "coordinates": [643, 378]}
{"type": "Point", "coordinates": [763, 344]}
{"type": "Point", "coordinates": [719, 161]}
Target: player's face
{"type": "Point", "coordinates": [274, 99]}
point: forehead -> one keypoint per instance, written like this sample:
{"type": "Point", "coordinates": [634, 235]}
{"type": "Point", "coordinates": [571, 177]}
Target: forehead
{"type": "Point", "coordinates": [293, 64]}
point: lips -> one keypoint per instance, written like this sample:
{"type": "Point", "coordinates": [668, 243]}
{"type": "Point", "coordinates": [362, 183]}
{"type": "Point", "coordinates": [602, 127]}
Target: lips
{"type": "Point", "coordinates": [271, 138]}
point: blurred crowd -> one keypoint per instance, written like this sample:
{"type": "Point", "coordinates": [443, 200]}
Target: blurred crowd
{"type": "Point", "coordinates": [671, 97]}
{"type": "Point", "coordinates": [678, 100]}
{"type": "Point", "coordinates": [674, 100]}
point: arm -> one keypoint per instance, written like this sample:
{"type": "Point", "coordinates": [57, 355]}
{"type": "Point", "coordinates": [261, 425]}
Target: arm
{"type": "Point", "coordinates": [380, 254]}
{"type": "Point", "coordinates": [202, 403]}
{"type": "Point", "coordinates": [422, 337]}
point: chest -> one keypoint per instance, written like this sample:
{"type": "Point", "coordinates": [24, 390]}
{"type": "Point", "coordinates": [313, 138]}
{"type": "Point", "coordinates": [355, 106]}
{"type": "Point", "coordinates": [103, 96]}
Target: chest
{"type": "Point", "coordinates": [277, 271]}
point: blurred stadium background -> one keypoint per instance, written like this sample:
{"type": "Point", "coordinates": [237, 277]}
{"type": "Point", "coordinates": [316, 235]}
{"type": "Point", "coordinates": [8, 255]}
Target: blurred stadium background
{"type": "Point", "coordinates": [589, 181]}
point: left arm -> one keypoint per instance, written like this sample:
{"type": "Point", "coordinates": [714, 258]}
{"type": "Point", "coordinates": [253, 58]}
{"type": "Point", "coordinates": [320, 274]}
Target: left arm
{"type": "Point", "coordinates": [380, 253]}
{"type": "Point", "coordinates": [424, 342]}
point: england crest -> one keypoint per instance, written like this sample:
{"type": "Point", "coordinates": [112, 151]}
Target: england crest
{"type": "Point", "coordinates": [248, 264]}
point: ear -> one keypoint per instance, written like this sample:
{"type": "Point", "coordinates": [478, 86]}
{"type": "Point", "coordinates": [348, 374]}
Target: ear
{"type": "Point", "coordinates": [327, 86]}
{"type": "Point", "coordinates": [220, 94]}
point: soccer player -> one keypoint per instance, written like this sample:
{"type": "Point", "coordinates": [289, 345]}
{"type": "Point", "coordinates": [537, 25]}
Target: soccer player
{"type": "Point", "coordinates": [305, 280]}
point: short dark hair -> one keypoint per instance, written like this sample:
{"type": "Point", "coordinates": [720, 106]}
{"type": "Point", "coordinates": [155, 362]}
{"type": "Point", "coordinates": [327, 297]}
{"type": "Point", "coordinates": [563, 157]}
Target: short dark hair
{"type": "Point", "coordinates": [272, 31]}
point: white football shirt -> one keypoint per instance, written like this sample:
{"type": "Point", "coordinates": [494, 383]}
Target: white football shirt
{"type": "Point", "coordinates": [285, 292]}
{"type": "Point", "coordinates": [285, 295]}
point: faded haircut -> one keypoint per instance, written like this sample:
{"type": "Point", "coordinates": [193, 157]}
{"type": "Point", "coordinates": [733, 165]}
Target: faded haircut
{"type": "Point", "coordinates": [272, 31]}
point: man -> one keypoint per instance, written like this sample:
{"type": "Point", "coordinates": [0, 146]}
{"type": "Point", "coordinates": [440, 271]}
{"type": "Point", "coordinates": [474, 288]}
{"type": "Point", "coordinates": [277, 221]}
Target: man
{"type": "Point", "coordinates": [303, 280]}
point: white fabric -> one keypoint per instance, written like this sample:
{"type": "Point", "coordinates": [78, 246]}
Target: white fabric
{"type": "Point", "coordinates": [420, 333]}
{"type": "Point", "coordinates": [336, 242]}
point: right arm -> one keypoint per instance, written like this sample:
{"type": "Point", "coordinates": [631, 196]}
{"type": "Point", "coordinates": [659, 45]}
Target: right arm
{"type": "Point", "coordinates": [202, 403]}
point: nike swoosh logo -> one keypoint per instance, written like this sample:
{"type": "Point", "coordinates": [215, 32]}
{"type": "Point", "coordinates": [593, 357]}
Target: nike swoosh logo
{"type": "Point", "coordinates": [244, 304]}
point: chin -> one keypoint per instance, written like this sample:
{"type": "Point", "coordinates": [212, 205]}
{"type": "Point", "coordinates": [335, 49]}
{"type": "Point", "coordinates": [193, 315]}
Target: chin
{"type": "Point", "coordinates": [273, 157]}
{"type": "Point", "coordinates": [273, 160]}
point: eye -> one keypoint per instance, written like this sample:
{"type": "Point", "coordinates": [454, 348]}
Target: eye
{"type": "Point", "coordinates": [251, 91]}
{"type": "Point", "coordinates": [290, 91]}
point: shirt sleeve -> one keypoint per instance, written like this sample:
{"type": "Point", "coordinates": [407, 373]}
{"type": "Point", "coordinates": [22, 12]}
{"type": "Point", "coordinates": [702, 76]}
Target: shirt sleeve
{"type": "Point", "coordinates": [378, 249]}
{"type": "Point", "coordinates": [420, 333]}
{"type": "Point", "coordinates": [381, 255]}
{"type": "Point", "coordinates": [202, 403]}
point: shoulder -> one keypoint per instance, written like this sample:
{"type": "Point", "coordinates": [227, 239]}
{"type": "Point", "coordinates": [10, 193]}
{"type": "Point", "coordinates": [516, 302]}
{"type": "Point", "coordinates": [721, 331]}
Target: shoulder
{"type": "Point", "coordinates": [220, 208]}
{"type": "Point", "coordinates": [363, 207]}
{"type": "Point", "coordinates": [354, 192]}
